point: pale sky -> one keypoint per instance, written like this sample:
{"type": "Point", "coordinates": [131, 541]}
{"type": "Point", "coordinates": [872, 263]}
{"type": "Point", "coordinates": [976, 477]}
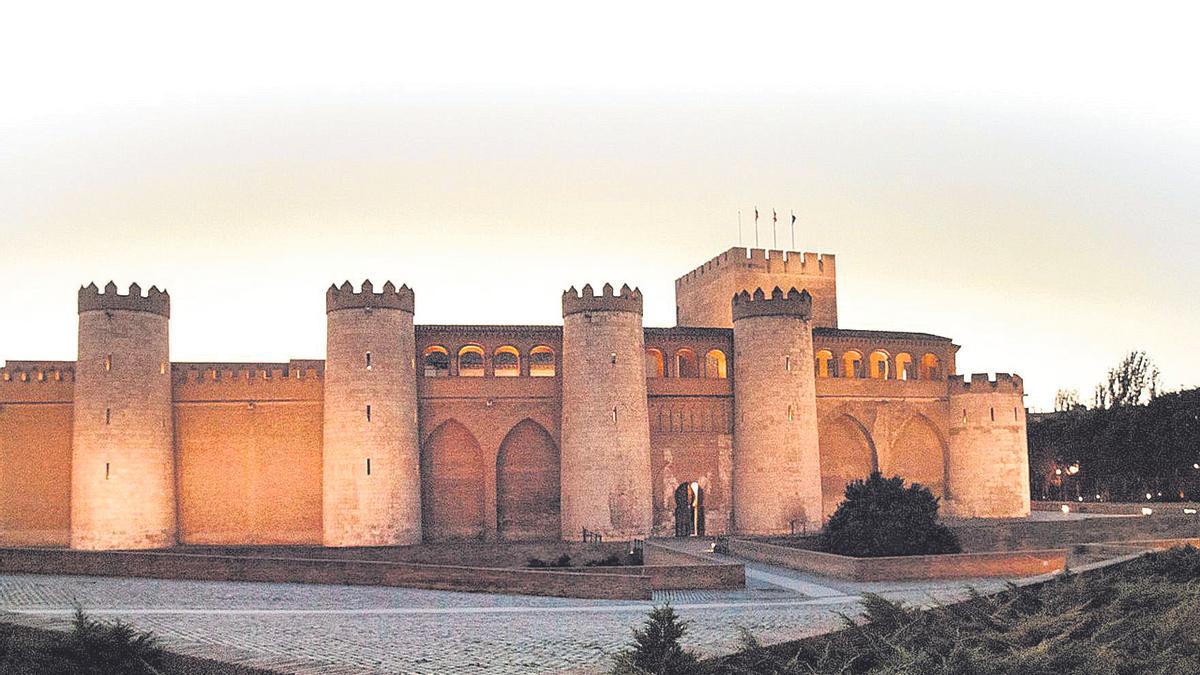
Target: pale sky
{"type": "Point", "coordinates": [1024, 180]}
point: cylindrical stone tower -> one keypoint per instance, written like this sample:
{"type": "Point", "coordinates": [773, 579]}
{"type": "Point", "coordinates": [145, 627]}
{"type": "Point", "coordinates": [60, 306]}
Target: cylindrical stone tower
{"type": "Point", "coordinates": [606, 482]}
{"type": "Point", "coordinates": [123, 458]}
{"type": "Point", "coordinates": [776, 462]}
{"type": "Point", "coordinates": [989, 454]}
{"type": "Point", "coordinates": [372, 465]}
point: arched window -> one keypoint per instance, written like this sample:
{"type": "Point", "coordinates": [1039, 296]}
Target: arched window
{"type": "Point", "coordinates": [470, 361]}
{"type": "Point", "coordinates": [654, 363]}
{"type": "Point", "coordinates": [880, 368]}
{"type": "Point", "coordinates": [714, 364]}
{"type": "Point", "coordinates": [685, 363]}
{"type": "Point", "coordinates": [826, 367]}
{"type": "Point", "coordinates": [852, 365]}
{"type": "Point", "coordinates": [904, 366]}
{"type": "Point", "coordinates": [506, 361]}
{"type": "Point", "coordinates": [930, 367]}
{"type": "Point", "coordinates": [437, 361]}
{"type": "Point", "coordinates": [541, 361]}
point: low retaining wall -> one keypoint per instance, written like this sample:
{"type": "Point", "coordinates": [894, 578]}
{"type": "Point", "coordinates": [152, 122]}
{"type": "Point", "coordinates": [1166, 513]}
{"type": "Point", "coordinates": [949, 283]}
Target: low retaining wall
{"type": "Point", "coordinates": [624, 583]}
{"type": "Point", "coordinates": [671, 569]}
{"type": "Point", "coordinates": [898, 568]}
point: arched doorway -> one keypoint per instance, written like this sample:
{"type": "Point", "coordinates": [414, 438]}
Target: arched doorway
{"type": "Point", "coordinates": [527, 484]}
{"type": "Point", "coordinates": [918, 454]}
{"type": "Point", "coordinates": [452, 484]}
{"type": "Point", "coordinates": [689, 510]}
{"type": "Point", "coordinates": [847, 454]}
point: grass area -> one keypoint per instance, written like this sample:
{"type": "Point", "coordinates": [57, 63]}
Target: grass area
{"type": "Point", "coordinates": [1137, 617]}
{"type": "Point", "coordinates": [91, 648]}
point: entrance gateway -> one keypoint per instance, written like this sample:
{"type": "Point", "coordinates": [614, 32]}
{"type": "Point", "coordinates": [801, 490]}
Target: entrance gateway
{"type": "Point", "coordinates": [689, 510]}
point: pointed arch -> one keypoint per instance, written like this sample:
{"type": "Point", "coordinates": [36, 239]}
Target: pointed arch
{"type": "Point", "coordinates": [527, 484]}
{"type": "Point", "coordinates": [847, 454]}
{"type": "Point", "coordinates": [918, 454]}
{"type": "Point", "coordinates": [452, 484]}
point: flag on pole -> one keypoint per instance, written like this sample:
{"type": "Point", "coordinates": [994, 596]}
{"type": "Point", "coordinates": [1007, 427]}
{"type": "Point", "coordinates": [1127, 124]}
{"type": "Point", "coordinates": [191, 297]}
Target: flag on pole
{"type": "Point", "coordinates": [774, 229]}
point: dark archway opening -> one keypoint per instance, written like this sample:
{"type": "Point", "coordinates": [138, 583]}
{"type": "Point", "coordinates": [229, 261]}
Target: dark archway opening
{"type": "Point", "coordinates": [689, 510]}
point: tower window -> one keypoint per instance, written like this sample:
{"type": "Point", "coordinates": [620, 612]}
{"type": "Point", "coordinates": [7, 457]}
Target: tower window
{"type": "Point", "coordinates": [368, 466]}
{"type": "Point", "coordinates": [162, 368]}
{"type": "Point", "coordinates": [964, 416]}
{"type": "Point", "coordinates": [787, 363]}
{"type": "Point", "coordinates": [106, 471]}
{"type": "Point", "coordinates": [368, 360]}
{"type": "Point", "coordinates": [614, 414]}
{"type": "Point", "coordinates": [1016, 417]}
{"type": "Point", "coordinates": [368, 412]}
{"type": "Point", "coordinates": [993, 414]}
{"type": "Point", "coordinates": [791, 414]}
{"type": "Point", "coordinates": [108, 363]}
{"type": "Point", "coordinates": [108, 415]}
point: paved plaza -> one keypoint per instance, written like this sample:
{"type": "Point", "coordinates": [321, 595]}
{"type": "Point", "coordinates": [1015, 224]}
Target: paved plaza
{"type": "Point", "coordinates": [355, 629]}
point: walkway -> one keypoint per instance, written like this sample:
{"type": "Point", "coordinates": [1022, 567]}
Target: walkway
{"type": "Point", "coordinates": [355, 629]}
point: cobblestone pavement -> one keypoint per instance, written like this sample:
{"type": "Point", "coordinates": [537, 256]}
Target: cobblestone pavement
{"type": "Point", "coordinates": [355, 629]}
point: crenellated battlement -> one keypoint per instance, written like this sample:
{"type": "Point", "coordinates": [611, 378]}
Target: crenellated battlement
{"type": "Point", "coordinates": [243, 372]}
{"type": "Point", "coordinates": [793, 303]}
{"type": "Point", "coordinates": [981, 383]}
{"type": "Point", "coordinates": [155, 301]}
{"type": "Point", "coordinates": [36, 373]}
{"type": "Point", "coordinates": [769, 261]}
{"type": "Point", "coordinates": [629, 300]}
{"type": "Point", "coordinates": [345, 297]}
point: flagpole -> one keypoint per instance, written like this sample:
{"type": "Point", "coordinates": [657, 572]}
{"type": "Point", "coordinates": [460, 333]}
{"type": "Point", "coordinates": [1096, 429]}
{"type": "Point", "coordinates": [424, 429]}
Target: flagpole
{"type": "Point", "coordinates": [774, 230]}
{"type": "Point", "coordinates": [756, 227]}
{"type": "Point", "coordinates": [739, 227]}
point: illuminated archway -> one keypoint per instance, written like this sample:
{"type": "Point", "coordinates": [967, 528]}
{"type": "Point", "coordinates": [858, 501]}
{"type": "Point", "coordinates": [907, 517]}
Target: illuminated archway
{"type": "Point", "coordinates": [879, 366]}
{"type": "Point", "coordinates": [436, 361]}
{"type": "Point", "coordinates": [826, 366]}
{"type": "Point", "coordinates": [654, 363]}
{"type": "Point", "coordinates": [470, 361]}
{"type": "Point", "coordinates": [506, 361]}
{"type": "Point", "coordinates": [852, 364]}
{"type": "Point", "coordinates": [541, 361]}
{"type": "Point", "coordinates": [930, 367]}
{"type": "Point", "coordinates": [918, 455]}
{"type": "Point", "coordinates": [714, 364]}
{"type": "Point", "coordinates": [904, 366]}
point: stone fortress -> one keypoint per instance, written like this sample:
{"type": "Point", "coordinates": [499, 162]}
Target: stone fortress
{"type": "Point", "coordinates": [750, 416]}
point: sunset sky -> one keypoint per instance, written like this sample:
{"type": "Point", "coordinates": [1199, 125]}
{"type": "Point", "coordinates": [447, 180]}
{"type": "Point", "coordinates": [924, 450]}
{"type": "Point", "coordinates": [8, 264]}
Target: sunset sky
{"type": "Point", "coordinates": [1026, 183]}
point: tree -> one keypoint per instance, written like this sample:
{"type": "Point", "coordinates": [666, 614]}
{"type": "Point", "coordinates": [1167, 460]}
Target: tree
{"type": "Point", "coordinates": [1066, 399]}
{"type": "Point", "coordinates": [1133, 381]}
{"type": "Point", "coordinates": [656, 647]}
{"type": "Point", "coordinates": [881, 517]}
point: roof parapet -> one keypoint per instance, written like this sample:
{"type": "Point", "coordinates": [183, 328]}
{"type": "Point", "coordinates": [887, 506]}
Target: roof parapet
{"type": "Point", "coordinates": [345, 297]}
{"type": "Point", "coordinates": [981, 383]}
{"type": "Point", "coordinates": [629, 300]}
{"type": "Point", "coordinates": [155, 301]}
{"type": "Point", "coordinates": [765, 260]}
{"type": "Point", "coordinates": [793, 303]}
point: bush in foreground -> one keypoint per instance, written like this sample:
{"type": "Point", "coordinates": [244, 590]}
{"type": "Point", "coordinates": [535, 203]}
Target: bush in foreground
{"type": "Point", "coordinates": [882, 517]}
{"type": "Point", "coordinates": [92, 647]}
{"type": "Point", "coordinates": [656, 647]}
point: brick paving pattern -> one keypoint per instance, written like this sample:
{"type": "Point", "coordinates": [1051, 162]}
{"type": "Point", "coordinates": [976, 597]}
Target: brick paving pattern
{"type": "Point", "coordinates": [354, 629]}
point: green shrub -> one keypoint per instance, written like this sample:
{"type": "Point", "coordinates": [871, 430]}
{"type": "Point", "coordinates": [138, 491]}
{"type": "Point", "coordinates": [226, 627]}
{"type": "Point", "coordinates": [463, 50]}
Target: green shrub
{"type": "Point", "coordinates": [91, 648]}
{"type": "Point", "coordinates": [881, 517]}
{"type": "Point", "coordinates": [656, 647]}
